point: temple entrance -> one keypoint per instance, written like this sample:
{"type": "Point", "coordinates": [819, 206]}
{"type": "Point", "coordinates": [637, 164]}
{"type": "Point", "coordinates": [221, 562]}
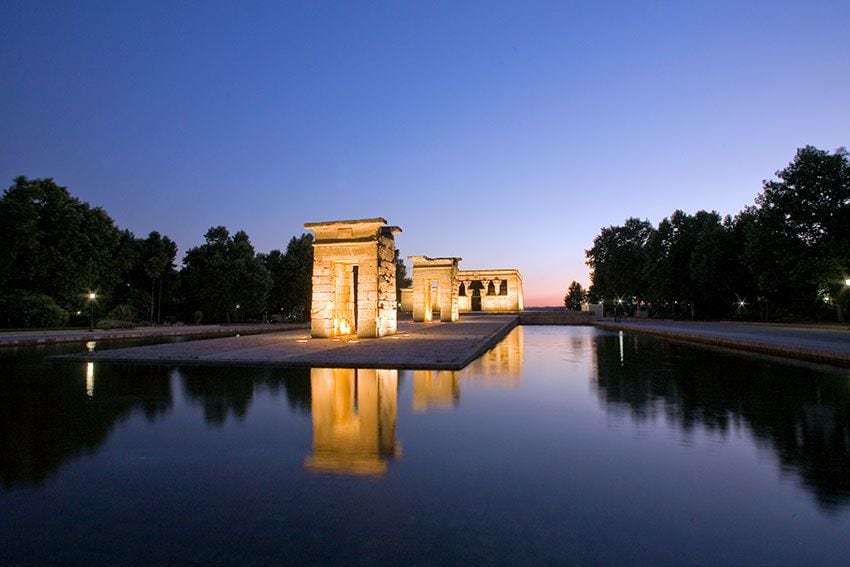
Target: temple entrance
{"type": "Point", "coordinates": [345, 298]}
{"type": "Point", "coordinates": [475, 303]}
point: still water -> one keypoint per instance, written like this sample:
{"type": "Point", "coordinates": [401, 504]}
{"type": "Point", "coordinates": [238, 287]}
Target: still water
{"type": "Point", "coordinates": [561, 445]}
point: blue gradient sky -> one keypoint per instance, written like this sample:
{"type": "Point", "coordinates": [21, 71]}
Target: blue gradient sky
{"type": "Point", "coordinates": [504, 134]}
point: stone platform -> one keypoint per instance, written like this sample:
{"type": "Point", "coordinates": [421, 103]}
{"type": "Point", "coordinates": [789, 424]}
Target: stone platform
{"type": "Point", "coordinates": [426, 346]}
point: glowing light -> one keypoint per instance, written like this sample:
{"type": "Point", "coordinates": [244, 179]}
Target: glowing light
{"type": "Point", "coordinates": [92, 296]}
{"type": "Point", "coordinates": [90, 345]}
{"type": "Point", "coordinates": [90, 379]}
{"type": "Point", "coordinates": [301, 340]}
{"type": "Point", "coordinates": [847, 282]}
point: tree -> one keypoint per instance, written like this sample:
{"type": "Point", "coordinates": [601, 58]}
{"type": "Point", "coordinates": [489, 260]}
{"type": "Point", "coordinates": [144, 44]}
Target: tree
{"type": "Point", "coordinates": [576, 296]}
{"type": "Point", "coordinates": [224, 278]}
{"type": "Point", "coordinates": [617, 260]}
{"type": "Point", "coordinates": [686, 259]}
{"type": "Point", "coordinates": [56, 245]}
{"type": "Point", "coordinates": [401, 279]}
{"type": "Point", "coordinates": [298, 285]}
{"type": "Point", "coordinates": [157, 254]}
{"type": "Point", "coordinates": [798, 240]}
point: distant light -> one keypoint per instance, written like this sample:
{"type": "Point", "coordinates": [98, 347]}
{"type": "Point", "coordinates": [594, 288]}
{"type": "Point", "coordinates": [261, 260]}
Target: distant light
{"type": "Point", "coordinates": [237, 306]}
{"type": "Point", "coordinates": [92, 295]}
{"type": "Point", "coordinates": [79, 312]}
{"type": "Point", "coordinates": [847, 282]}
{"type": "Point", "coordinates": [741, 303]}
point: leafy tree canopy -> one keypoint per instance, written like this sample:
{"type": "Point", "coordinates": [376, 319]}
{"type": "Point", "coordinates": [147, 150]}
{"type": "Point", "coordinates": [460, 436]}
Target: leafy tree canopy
{"type": "Point", "coordinates": [55, 244]}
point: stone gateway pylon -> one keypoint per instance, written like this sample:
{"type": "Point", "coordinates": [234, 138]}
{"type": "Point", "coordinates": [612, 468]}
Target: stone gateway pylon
{"type": "Point", "coordinates": [435, 288]}
{"type": "Point", "coordinates": [353, 278]}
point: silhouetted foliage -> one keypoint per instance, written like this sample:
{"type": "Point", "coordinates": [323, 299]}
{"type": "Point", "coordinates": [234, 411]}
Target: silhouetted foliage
{"type": "Point", "coordinates": [54, 244]}
{"type": "Point", "coordinates": [787, 256]}
{"type": "Point", "coordinates": [575, 297]}
{"type": "Point", "coordinates": [401, 279]}
{"type": "Point", "coordinates": [224, 278]}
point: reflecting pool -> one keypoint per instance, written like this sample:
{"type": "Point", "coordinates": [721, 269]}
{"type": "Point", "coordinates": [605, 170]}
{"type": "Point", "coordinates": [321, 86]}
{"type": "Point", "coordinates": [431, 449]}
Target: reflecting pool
{"type": "Point", "coordinates": [560, 445]}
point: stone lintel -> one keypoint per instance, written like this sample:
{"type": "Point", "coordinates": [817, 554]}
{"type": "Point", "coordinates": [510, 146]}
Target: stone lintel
{"type": "Point", "coordinates": [488, 274]}
{"type": "Point", "coordinates": [377, 221]}
{"type": "Point", "coordinates": [351, 230]}
{"type": "Point", "coordinates": [425, 261]}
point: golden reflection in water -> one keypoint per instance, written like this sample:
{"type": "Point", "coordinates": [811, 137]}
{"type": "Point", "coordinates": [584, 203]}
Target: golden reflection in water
{"type": "Point", "coordinates": [90, 379]}
{"type": "Point", "coordinates": [501, 365]}
{"type": "Point", "coordinates": [434, 389]}
{"type": "Point", "coordinates": [354, 420]}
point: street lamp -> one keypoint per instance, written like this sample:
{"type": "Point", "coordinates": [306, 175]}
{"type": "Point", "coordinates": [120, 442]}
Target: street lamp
{"type": "Point", "coordinates": [92, 297]}
{"type": "Point", "coordinates": [847, 282]}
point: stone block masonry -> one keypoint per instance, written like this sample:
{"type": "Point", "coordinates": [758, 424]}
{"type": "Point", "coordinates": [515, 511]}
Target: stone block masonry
{"type": "Point", "coordinates": [353, 278]}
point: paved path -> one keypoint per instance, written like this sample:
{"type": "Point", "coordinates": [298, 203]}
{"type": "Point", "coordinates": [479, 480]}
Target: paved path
{"type": "Point", "coordinates": [436, 346]}
{"type": "Point", "coordinates": [816, 344]}
{"type": "Point", "coordinates": [24, 338]}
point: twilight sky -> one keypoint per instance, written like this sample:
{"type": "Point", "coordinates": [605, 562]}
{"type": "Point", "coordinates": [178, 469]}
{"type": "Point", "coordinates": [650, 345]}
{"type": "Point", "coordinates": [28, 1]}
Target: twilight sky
{"type": "Point", "coordinates": [506, 134]}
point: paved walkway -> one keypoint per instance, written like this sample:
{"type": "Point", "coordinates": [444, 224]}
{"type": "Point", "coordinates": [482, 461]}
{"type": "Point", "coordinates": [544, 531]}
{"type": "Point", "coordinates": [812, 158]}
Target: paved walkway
{"type": "Point", "coordinates": [434, 346]}
{"type": "Point", "coordinates": [24, 338]}
{"type": "Point", "coordinates": [815, 344]}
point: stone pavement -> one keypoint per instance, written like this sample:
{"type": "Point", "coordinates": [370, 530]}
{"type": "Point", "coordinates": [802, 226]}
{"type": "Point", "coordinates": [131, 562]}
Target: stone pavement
{"type": "Point", "coordinates": [829, 345]}
{"type": "Point", "coordinates": [433, 346]}
{"type": "Point", "coordinates": [25, 338]}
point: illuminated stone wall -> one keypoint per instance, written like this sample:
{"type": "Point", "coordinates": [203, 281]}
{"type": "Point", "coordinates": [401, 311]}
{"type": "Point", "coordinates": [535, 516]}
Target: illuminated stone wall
{"type": "Point", "coordinates": [435, 288]}
{"type": "Point", "coordinates": [490, 290]}
{"type": "Point", "coordinates": [354, 420]}
{"type": "Point", "coordinates": [353, 278]}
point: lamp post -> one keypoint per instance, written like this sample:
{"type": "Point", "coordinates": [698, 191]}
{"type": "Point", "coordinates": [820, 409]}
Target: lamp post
{"type": "Point", "coordinates": [92, 297]}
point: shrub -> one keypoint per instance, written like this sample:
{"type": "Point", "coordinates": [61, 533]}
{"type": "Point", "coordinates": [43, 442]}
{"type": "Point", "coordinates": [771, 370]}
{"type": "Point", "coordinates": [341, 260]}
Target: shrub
{"type": "Point", "coordinates": [24, 309]}
{"type": "Point", "coordinates": [122, 312]}
{"type": "Point", "coordinates": [107, 324]}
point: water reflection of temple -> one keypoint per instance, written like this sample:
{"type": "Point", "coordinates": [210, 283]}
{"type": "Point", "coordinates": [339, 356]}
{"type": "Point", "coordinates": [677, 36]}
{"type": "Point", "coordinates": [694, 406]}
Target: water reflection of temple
{"type": "Point", "coordinates": [500, 366]}
{"type": "Point", "coordinates": [435, 389]}
{"type": "Point", "coordinates": [354, 420]}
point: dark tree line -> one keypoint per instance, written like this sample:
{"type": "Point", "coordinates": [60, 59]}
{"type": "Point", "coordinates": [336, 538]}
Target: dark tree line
{"type": "Point", "coordinates": [786, 257]}
{"type": "Point", "coordinates": [56, 250]}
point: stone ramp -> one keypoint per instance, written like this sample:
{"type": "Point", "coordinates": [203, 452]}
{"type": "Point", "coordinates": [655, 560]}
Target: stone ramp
{"type": "Point", "coordinates": [432, 346]}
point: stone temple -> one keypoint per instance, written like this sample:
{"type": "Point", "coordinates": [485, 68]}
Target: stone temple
{"type": "Point", "coordinates": [353, 278]}
{"type": "Point", "coordinates": [493, 291]}
{"type": "Point", "coordinates": [354, 283]}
